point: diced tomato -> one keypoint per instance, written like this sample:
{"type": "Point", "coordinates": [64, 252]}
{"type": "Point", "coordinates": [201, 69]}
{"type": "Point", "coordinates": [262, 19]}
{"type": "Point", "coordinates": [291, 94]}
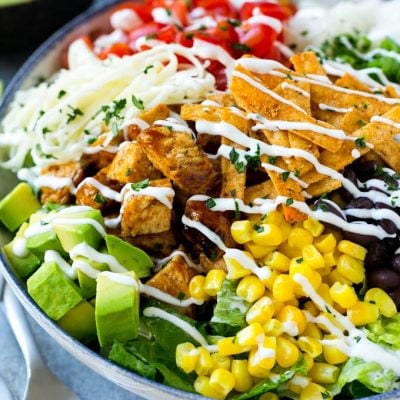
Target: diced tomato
{"type": "Point", "coordinates": [218, 70]}
{"type": "Point", "coordinates": [271, 9]}
{"type": "Point", "coordinates": [145, 30]}
{"type": "Point", "coordinates": [141, 10]}
{"type": "Point", "coordinates": [221, 8]}
{"type": "Point", "coordinates": [117, 49]}
{"type": "Point", "coordinates": [226, 33]}
{"type": "Point", "coordinates": [167, 34]}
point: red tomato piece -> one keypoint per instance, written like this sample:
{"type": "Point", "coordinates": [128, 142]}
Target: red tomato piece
{"type": "Point", "coordinates": [151, 28]}
{"type": "Point", "coordinates": [271, 9]}
{"type": "Point", "coordinates": [257, 39]}
{"type": "Point", "coordinates": [221, 8]}
{"type": "Point", "coordinates": [117, 49]}
{"type": "Point", "coordinates": [218, 70]}
{"type": "Point", "coordinates": [141, 9]}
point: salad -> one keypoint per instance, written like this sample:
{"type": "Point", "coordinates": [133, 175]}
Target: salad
{"type": "Point", "coordinates": [211, 200]}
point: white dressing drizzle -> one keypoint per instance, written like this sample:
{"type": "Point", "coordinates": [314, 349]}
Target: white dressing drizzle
{"type": "Point", "coordinates": [121, 279]}
{"type": "Point", "coordinates": [19, 248]}
{"type": "Point", "coordinates": [286, 85]}
{"type": "Point", "coordinates": [54, 256]}
{"type": "Point", "coordinates": [162, 261]}
{"type": "Point", "coordinates": [387, 121]}
{"type": "Point", "coordinates": [327, 107]}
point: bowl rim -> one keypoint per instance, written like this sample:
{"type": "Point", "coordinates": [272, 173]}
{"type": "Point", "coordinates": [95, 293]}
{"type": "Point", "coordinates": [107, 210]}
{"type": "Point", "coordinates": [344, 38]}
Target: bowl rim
{"type": "Point", "coordinates": [81, 352]}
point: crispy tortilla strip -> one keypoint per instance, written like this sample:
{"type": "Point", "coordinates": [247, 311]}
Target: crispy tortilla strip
{"type": "Point", "coordinates": [233, 182]}
{"type": "Point", "coordinates": [223, 99]}
{"type": "Point", "coordinates": [330, 116]}
{"type": "Point", "coordinates": [307, 63]}
{"type": "Point", "coordinates": [208, 264]}
{"type": "Point", "coordinates": [325, 185]}
{"type": "Point", "coordinates": [350, 82]}
{"type": "Point", "coordinates": [299, 164]}
{"type": "Point", "coordinates": [296, 92]}
{"type": "Point", "coordinates": [390, 91]}
{"type": "Point", "coordinates": [263, 189]}
{"type": "Point", "coordinates": [256, 100]}
{"type": "Point", "coordinates": [354, 120]}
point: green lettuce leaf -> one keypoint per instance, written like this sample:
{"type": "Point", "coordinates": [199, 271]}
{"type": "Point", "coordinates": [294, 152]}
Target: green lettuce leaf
{"type": "Point", "coordinates": [385, 331]}
{"type": "Point", "coordinates": [230, 310]}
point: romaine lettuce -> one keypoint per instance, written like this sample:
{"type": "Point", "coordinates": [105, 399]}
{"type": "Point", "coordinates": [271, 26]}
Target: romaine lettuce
{"type": "Point", "coordinates": [385, 331]}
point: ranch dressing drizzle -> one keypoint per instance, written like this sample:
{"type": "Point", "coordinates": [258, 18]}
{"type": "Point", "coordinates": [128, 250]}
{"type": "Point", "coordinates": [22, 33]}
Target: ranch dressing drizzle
{"type": "Point", "coordinates": [384, 120]}
{"type": "Point", "coordinates": [285, 50]}
{"type": "Point", "coordinates": [161, 261]}
{"type": "Point", "coordinates": [297, 89]}
{"type": "Point", "coordinates": [356, 344]}
{"type": "Point", "coordinates": [54, 256]}
{"type": "Point", "coordinates": [103, 189]}
{"type": "Point", "coordinates": [292, 176]}
{"type": "Point", "coordinates": [121, 279]}
{"type": "Point", "coordinates": [259, 18]}
{"type": "Point", "coordinates": [53, 182]}
{"type": "Point", "coordinates": [376, 214]}
{"type": "Point", "coordinates": [156, 312]}
{"type": "Point", "coordinates": [19, 248]}
{"type": "Point", "coordinates": [327, 107]}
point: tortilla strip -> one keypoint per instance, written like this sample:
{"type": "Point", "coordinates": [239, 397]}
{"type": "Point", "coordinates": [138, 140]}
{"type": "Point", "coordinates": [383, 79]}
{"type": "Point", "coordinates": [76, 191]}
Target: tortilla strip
{"type": "Point", "coordinates": [325, 185]}
{"type": "Point", "coordinates": [307, 63]}
{"type": "Point", "coordinates": [263, 189]}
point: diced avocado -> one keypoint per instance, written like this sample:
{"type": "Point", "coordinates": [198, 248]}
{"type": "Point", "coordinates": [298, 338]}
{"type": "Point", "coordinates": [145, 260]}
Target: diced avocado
{"type": "Point", "coordinates": [87, 284]}
{"type": "Point", "coordinates": [117, 309]}
{"type": "Point", "coordinates": [71, 234]}
{"type": "Point", "coordinates": [130, 257]}
{"type": "Point", "coordinates": [23, 266]}
{"type": "Point", "coordinates": [17, 206]}
{"type": "Point", "coordinates": [53, 291]}
{"type": "Point", "coordinates": [79, 322]}
{"type": "Point", "coordinates": [39, 243]}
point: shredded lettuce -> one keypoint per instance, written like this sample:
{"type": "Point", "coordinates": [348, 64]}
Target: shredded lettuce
{"type": "Point", "coordinates": [385, 331]}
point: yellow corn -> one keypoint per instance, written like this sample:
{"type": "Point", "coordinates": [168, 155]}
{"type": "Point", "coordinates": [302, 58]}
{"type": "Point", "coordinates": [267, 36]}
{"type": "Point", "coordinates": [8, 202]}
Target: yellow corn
{"type": "Point", "coordinates": [330, 258]}
{"type": "Point", "coordinates": [363, 313]}
{"type": "Point", "coordinates": [336, 276]}
{"type": "Point", "coordinates": [325, 243]}
{"type": "Point", "coordinates": [268, 235]}
{"type": "Point", "coordinates": [243, 379]}
{"type": "Point", "coordinates": [311, 308]}
{"type": "Point", "coordinates": [309, 361]}
{"type": "Point", "coordinates": [250, 288]}
{"type": "Point", "coordinates": [325, 271]}
{"type": "Point", "coordinates": [313, 226]}
{"type": "Point", "coordinates": [186, 356]}
{"type": "Point", "coordinates": [258, 250]}
{"type": "Point", "coordinates": [254, 366]}
{"type": "Point", "coordinates": [351, 268]}
{"type": "Point", "coordinates": [202, 385]}
{"type": "Point", "coordinates": [287, 353]}
{"type": "Point", "coordinates": [324, 292]}
{"type": "Point", "coordinates": [213, 282]}
{"type": "Point", "coordinates": [222, 381]}
{"type": "Point", "coordinates": [241, 231]}
{"type": "Point", "coordinates": [352, 249]}
{"type": "Point", "coordinates": [274, 217]}
{"type": "Point", "coordinates": [235, 269]}
{"type": "Point", "coordinates": [228, 347]}
{"type": "Point", "coordinates": [278, 305]}
{"type": "Point", "coordinates": [249, 335]}
{"type": "Point", "coordinates": [196, 288]}
{"type": "Point", "coordinates": [285, 229]}
{"type": "Point", "coordinates": [269, 396]}
{"type": "Point", "coordinates": [313, 257]}
{"type": "Point", "coordinates": [221, 361]}
{"type": "Point", "coordinates": [343, 294]}
{"type": "Point", "coordinates": [298, 383]}
{"type": "Point", "coordinates": [299, 237]}
{"type": "Point", "coordinates": [332, 354]}
{"type": "Point", "coordinates": [290, 315]}
{"type": "Point", "coordinates": [278, 261]}
{"type": "Point", "coordinates": [313, 331]}
{"type": "Point", "coordinates": [385, 304]}
{"type": "Point", "coordinates": [324, 373]}
{"type": "Point", "coordinates": [266, 352]}
{"type": "Point", "coordinates": [314, 392]}
{"type": "Point", "coordinates": [283, 288]}
{"type": "Point", "coordinates": [205, 363]}
{"type": "Point", "coordinates": [310, 346]}
{"type": "Point", "coordinates": [305, 270]}
{"type": "Point", "coordinates": [269, 281]}
{"type": "Point", "coordinates": [273, 327]}
{"type": "Point", "coordinates": [289, 251]}
{"type": "Point", "coordinates": [261, 311]}
{"type": "Point", "coordinates": [292, 302]}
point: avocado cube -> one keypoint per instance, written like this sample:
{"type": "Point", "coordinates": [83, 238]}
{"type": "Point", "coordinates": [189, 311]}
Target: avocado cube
{"type": "Point", "coordinates": [39, 243]}
{"type": "Point", "coordinates": [87, 284]}
{"type": "Point", "coordinates": [117, 309]}
{"type": "Point", "coordinates": [79, 322]}
{"type": "Point", "coordinates": [53, 291]}
{"type": "Point", "coordinates": [131, 257]}
{"type": "Point", "coordinates": [23, 266]}
{"type": "Point", "coordinates": [17, 206]}
{"type": "Point", "coordinates": [71, 234]}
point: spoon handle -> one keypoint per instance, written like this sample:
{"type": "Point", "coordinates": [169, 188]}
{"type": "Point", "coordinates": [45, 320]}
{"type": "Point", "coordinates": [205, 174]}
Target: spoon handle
{"type": "Point", "coordinates": [21, 329]}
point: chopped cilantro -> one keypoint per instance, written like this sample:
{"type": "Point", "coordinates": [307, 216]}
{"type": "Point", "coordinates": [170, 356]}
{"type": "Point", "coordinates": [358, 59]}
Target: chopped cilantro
{"type": "Point", "coordinates": [285, 175]}
{"type": "Point", "coordinates": [289, 201]}
{"type": "Point", "coordinates": [233, 192]}
{"type": "Point", "coordinates": [151, 36]}
{"type": "Point", "coordinates": [140, 185]}
{"type": "Point", "coordinates": [181, 296]}
{"type": "Point", "coordinates": [169, 12]}
{"type": "Point", "coordinates": [326, 395]}
{"type": "Point", "coordinates": [146, 70]}
{"type": "Point", "coordinates": [138, 103]}
{"type": "Point", "coordinates": [361, 123]}
{"type": "Point", "coordinates": [357, 338]}
{"type": "Point", "coordinates": [258, 228]}
{"type": "Point", "coordinates": [272, 160]}
{"type": "Point", "coordinates": [254, 161]}
{"type": "Point", "coordinates": [99, 198]}
{"type": "Point", "coordinates": [210, 203]}
{"type": "Point", "coordinates": [113, 111]}
{"type": "Point", "coordinates": [299, 260]}
{"type": "Point", "coordinates": [91, 140]}
{"type": "Point", "coordinates": [128, 172]}
{"type": "Point", "coordinates": [304, 33]}
{"type": "Point", "coordinates": [296, 173]}
{"type": "Point", "coordinates": [61, 94]}
{"type": "Point", "coordinates": [237, 209]}
{"type": "Point", "coordinates": [234, 22]}
{"type": "Point", "coordinates": [73, 114]}
{"type": "Point", "coordinates": [234, 159]}
{"type": "Point", "coordinates": [360, 142]}
{"type": "Point", "coordinates": [45, 130]}
{"type": "Point", "coordinates": [243, 48]}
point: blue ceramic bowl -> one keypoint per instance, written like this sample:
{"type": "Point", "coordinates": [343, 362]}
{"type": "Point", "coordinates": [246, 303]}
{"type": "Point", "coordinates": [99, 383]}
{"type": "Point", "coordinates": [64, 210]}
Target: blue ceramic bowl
{"type": "Point", "coordinates": [43, 62]}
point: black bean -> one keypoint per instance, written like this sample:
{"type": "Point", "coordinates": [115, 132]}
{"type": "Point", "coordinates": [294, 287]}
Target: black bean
{"type": "Point", "coordinates": [383, 278]}
{"type": "Point", "coordinates": [388, 225]}
{"type": "Point", "coordinates": [327, 206]}
{"type": "Point", "coordinates": [396, 262]}
{"type": "Point", "coordinates": [350, 175]}
{"type": "Point", "coordinates": [360, 202]}
{"type": "Point", "coordinates": [377, 256]}
{"type": "Point", "coordinates": [395, 295]}
{"type": "Point", "coordinates": [380, 206]}
{"type": "Point", "coordinates": [363, 240]}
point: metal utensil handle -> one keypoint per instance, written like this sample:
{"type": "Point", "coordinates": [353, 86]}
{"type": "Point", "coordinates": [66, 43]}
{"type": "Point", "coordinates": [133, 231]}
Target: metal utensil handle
{"type": "Point", "coordinates": [21, 329]}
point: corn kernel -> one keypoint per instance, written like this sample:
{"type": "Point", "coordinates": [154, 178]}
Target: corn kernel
{"type": "Point", "coordinates": [202, 386]}
{"type": "Point", "coordinates": [336, 276]}
{"type": "Point", "coordinates": [258, 250]}
{"type": "Point", "coordinates": [278, 261]}
{"type": "Point", "coordinates": [351, 268]}
{"type": "Point", "coordinates": [352, 249]}
{"type": "Point", "coordinates": [273, 327]}
{"type": "Point", "coordinates": [330, 258]}
{"type": "Point", "coordinates": [278, 305]}
{"type": "Point", "coordinates": [283, 288]}
{"type": "Point", "coordinates": [325, 271]}
{"type": "Point", "coordinates": [324, 373]}
{"type": "Point", "coordinates": [313, 257]}
{"type": "Point", "coordinates": [205, 363]}
{"type": "Point", "coordinates": [292, 302]}
{"type": "Point", "coordinates": [311, 308]}
{"type": "Point", "coordinates": [292, 319]}
{"type": "Point", "coordinates": [254, 367]}
{"type": "Point", "coordinates": [274, 217]}
{"type": "Point", "coordinates": [343, 294]}
{"type": "Point", "coordinates": [287, 353]}
{"type": "Point", "coordinates": [186, 356]}
{"type": "Point", "coordinates": [313, 226]}
{"type": "Point", "coordinates": [235, 269]}
{"type": "Point", "coordinates": [243, 379]}
{"type": "Point", "coordinates": [313, 331]}
{"type": "Point", "coordinates": [337, 234]}
{"type": "Point", "coordinates": [332, 354]}
{"type": "Point", "coordinates": [221, 361]}
{"type": "Point", "coordinates": [228, 347]}
{"type": "Point", "coordinates": [241, 231]}
{"type": "Point", "coordinates": [310, 346]}
{"type": "Point", "coordinates": [269, 396]}
{"type": "Point", "coordinates": [325, 243]}
{"type": "Point", "coordinates": [268, 235]}
{"type": "Point", "coordinates": [196, 288]}
{"type": "Point", "coordinates": [289, 251]}
{"type": "Point", "coordinates": [314, 392]}
{"type": "Point", "coordinates": [300, 237]}
{"type": "Point", "coordinates": [324, 292]}
{"type": "Point", "coordinates": [286, 229]}
{"type": "Point", "coordinates": [298, 383]}
{"type": "Point", "coordinates": [249, 335]}
{"type": "Point", "coordinates": [269, 282]}
{"type": "Point", "coordinates": [213, 282]}
{"type": "Point", "coordinates": [305, 270]}
{"type": "Point", "coordinates": [222, 381]}
{"type": "Point", "coordinates": [250, 288]}
{"type": "Point", "coordinates": [363, 313]}
{"type": "Point", "coordinates": [266, 353]}
{"type": "Point", "coordinates": [261, 311]}
{"type": "Point", "coordinates": [386, 305]}
{"type": "Point", "coordinates": [309, 361]}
